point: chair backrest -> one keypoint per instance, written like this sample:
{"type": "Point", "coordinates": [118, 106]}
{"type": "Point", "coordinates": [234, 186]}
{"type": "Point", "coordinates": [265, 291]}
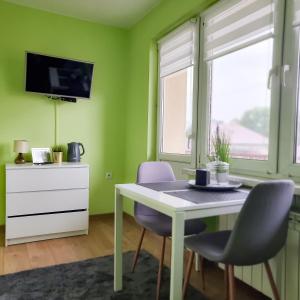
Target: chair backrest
{"type": "Point", "coordinates": [261, 227]}
{"type": "Point", "coordinates": [152, 171]}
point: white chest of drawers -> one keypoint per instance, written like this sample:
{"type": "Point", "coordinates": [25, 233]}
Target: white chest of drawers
{"type": "Point", "coordinates": [44, 202]}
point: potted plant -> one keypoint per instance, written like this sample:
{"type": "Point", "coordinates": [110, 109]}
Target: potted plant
{"type": "Point", "coordinates": [219, 160]}
{"type": "Point", "coordinates": [57, 153]}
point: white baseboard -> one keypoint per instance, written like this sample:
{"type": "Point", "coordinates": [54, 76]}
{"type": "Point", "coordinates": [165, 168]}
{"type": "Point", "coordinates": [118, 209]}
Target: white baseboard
{"type": "Point", "coordinates": [44, 237]}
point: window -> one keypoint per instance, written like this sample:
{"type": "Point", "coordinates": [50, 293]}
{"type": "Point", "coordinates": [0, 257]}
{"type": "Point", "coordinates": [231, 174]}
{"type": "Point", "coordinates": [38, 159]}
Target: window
{"type": "Point", "coordinates": [177, 53]}
{"type": "Point", "coordinates": [240, 99]}
{"type": "Point", "coordinates": [240, 58]}
{"type": "Point", "coordinates": [297, 144]}
{"type": "Point", "coordinates": [289, 158]}
{"type": "Point", "coordinates": [177, 112]}
{"type": "Point", "coordinates": [248, 87]}
{"type": "Point", "coordinates": [295, 26]}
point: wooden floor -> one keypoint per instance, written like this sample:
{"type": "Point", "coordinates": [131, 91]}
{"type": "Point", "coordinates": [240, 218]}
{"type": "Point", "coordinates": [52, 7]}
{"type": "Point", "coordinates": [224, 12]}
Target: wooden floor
{"type": "Point", "coordinates": [99, 242]}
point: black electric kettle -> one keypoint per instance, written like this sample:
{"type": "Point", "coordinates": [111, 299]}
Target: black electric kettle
{"type": "Point", "coordinates": [74, 151]}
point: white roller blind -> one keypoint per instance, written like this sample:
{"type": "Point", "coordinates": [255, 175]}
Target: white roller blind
{"type": "Point", "coordinates": [296, 17]}
{"type": "Point", "coordinates": [177, 49]}
{"type": "Point", "coordinates": [236, 24]}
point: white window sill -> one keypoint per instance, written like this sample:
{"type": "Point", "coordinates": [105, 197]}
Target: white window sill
{"type": "Point", "coordinates": [245, 180]}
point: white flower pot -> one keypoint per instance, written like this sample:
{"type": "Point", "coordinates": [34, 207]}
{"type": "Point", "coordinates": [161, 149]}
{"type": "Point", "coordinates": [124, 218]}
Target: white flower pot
{"type": "Point", "coordinates": [222, 177]}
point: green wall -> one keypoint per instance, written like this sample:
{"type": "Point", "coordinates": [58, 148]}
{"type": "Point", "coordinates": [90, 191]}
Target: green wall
{"type": "Point", "coordinates": [98, 123]}
{"type": "Point", "coordinates": [118, 125]}
{"type": "Point", "coordinates": [142, 93]}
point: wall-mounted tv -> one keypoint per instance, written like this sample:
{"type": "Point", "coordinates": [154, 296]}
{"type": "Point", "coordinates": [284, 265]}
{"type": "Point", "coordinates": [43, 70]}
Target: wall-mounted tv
{"type": "Point", "coordinates": [58, 77]}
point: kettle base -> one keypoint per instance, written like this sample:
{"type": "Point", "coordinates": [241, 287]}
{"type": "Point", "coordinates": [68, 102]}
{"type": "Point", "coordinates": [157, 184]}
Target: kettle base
{"type": "Point", "coordinates": [73, 160]}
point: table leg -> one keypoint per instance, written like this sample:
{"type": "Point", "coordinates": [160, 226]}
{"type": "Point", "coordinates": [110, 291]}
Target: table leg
{"type": "Point", "coordinates": [197, 263]}
{"type": "Point", "coordinates": [177, 256]}
{"type": "Point", "coordinates": [118, 263]}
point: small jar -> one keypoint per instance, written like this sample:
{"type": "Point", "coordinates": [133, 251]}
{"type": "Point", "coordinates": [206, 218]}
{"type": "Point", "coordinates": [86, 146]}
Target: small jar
{"type": "Point", "coordinates": [219, 172]}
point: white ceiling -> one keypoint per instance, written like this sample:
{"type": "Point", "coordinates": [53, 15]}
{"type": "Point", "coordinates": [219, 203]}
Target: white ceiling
{"type": "Point", "coordinates": [120, 13]}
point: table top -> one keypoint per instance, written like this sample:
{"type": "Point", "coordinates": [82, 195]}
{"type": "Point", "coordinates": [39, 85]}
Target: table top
{"type": "Point", "coordinates": [173, 200]}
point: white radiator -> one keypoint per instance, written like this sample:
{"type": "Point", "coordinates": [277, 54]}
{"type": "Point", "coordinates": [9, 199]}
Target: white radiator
{"type": "Point", "coordinates": [285, 267]}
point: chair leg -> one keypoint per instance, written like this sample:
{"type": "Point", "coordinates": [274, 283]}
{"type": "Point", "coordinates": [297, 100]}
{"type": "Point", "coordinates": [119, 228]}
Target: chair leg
{"type": "Point", "coordinates": [136, 255]}
{"type": "Point", "coordinates": [188, 273]}
{"type": "Point", "coordinates": [226, 283]}
{"type": "Point", "coordinates": [271, 280]}
{"type": "Point", "coordinates": [202, 260]}
{"type": "Point", "coordinates": [231, 281]}
{"type": "Point", "coordinates": [160, 270]}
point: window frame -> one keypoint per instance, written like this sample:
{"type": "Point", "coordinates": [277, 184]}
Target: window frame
{"type": "Point", "coordinates": [289, 96]}
{"type": "Point", "coordinates": [283, 114]}
{"type": "Point", "coordinates": [239, 165]}
{"type": "Point", "coordinates": [188, 159]}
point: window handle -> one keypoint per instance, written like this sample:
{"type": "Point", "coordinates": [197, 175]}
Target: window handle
{"type": "Point", "coordinates": [285, 69]}
{"type": "Point", "coordinates": [273, 71]}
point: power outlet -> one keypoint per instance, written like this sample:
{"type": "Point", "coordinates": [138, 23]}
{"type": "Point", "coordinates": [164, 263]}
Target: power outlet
{"type": "Point", "coordinates": [108, 175]}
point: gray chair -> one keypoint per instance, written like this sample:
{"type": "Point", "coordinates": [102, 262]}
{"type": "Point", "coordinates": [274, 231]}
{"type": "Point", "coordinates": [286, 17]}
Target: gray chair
{"type": "Point", "coordinates": [154, 221]}
{"type": "Point", "coordinates": [258, 235]}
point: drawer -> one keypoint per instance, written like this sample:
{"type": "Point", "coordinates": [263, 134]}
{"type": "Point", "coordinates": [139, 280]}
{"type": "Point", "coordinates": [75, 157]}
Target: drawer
{"type": "Point", "coordinates": [46, 201]}
{"type": "Point", "coordinates": [46, 224]}
{"type": "Point", "coordinates": [28, 180]}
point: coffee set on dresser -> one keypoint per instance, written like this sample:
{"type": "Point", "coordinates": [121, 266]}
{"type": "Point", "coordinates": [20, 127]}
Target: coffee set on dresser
{"type": "Point", "coordinates": [46, 198]}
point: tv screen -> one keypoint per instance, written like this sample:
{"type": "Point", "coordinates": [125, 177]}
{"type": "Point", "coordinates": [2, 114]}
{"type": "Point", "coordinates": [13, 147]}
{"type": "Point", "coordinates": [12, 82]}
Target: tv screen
{"type": "Point", "coordinates": [58, 77]}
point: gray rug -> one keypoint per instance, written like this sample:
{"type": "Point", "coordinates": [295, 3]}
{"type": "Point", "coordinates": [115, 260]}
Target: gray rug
{"type": "Point", "coordinates": [89, 279]}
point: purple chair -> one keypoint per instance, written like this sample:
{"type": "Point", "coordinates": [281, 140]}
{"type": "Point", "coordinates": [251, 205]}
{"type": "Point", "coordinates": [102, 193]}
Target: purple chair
{"type": "Point", "coordinates": [154, 221]}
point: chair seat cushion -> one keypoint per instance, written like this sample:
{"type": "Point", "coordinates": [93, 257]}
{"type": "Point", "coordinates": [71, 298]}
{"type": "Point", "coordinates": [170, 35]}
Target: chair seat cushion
{"type": "Point", "coordinates": [209, 245]}
{"type": "Point", "coordinates": [162, 224]}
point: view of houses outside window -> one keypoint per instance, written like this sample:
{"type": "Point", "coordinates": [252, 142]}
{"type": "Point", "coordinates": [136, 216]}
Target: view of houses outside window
{"type": "Point", "coordinates": [240, 99]}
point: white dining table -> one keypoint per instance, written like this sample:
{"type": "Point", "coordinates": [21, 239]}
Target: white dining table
{"type": "Point", "coordinates": [179, 210]}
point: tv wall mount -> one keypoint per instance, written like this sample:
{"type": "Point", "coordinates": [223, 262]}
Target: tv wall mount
{"type": "Point", "coordinates": [68, 99]}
